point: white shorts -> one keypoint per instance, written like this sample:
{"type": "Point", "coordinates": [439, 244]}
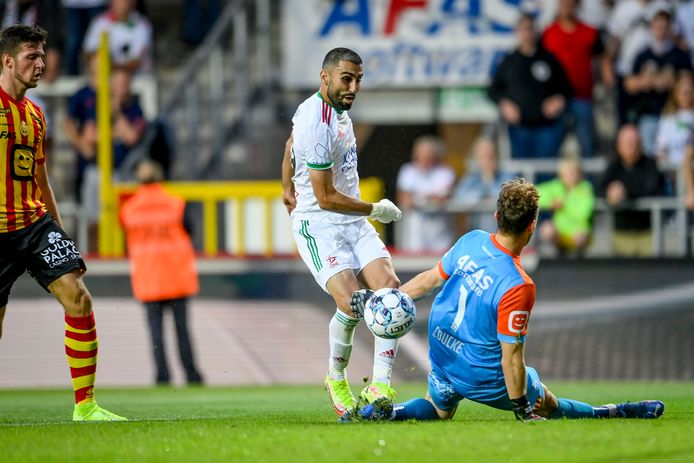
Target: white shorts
{"type": "Point", "coordinates": [328, 248]}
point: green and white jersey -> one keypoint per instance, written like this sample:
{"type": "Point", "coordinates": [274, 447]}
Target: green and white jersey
{"type": "Point", "coordinates": [323, 139]}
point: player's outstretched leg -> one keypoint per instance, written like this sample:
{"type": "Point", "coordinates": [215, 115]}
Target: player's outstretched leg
{"type": "Point", "coordinates": [648, 409]}
{"type": "Point", "coordinates": [341, 336]}
{"type": "Point", "coordinates": [554, 408]}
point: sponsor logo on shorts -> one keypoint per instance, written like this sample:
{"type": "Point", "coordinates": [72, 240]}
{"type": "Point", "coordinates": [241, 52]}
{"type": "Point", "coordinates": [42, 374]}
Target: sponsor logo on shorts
{"type": "Point", "coordinates": [60, 250]}
{"type": "Point", "coordinates": [517, 321]}
{"type": "Point", "coordinates": [332, 261]}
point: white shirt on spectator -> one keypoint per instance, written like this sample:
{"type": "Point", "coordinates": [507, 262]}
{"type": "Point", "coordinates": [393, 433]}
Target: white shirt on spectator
{"type": "Point", "coordinates": [674, 131]}
{"type": "Point", "coordinates": [128, 40]}
{"type": "Point", "coordinates": [425, 231]}
{"type": "Point", "coordinates": [628, 23]}
{"type": "Point", "coordinates": [594, 13]}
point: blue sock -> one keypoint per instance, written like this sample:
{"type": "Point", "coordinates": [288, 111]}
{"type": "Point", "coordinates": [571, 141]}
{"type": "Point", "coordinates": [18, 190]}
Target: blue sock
{"type": "Point", "coordinates": [415, 409]}
{"type": "Point", "coordinates": [574, 409]}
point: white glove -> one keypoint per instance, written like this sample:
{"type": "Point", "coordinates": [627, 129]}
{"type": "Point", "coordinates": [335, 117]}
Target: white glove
{"type": "Point", "coordinates": [385, 211]}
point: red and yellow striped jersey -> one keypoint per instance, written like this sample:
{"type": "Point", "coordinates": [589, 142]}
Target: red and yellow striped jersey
{"type": "Point", "coordinates": [22, 132]}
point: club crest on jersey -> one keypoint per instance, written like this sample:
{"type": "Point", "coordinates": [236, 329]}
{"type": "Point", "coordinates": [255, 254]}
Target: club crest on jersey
{"type": "Point", "coordinates": [23, 128]}
{"type": "Point", "coordinates": [22, 162]}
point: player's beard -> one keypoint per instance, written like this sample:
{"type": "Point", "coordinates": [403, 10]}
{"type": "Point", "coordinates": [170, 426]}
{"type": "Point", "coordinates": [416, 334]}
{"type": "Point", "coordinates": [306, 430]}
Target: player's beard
{"type": "Point", "coordinates": [30, 83]}
{"type": "Point", "coordinates": [335, 100]}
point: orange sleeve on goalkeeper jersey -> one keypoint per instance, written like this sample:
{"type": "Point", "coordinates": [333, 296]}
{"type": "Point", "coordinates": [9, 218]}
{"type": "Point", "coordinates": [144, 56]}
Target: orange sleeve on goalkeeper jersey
{"type": "Point", "coordinates": [514, 310]}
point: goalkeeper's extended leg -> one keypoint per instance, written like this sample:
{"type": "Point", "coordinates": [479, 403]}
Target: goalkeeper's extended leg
{"type": "Point", "coordinates": [555, 408]}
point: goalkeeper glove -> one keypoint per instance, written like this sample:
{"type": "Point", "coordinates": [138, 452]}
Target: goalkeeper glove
{"type": "Point", "coordinates": [358, 301]}
{"type": "Point", "coordinates": [523, 410]}
{"type": "Point", "coordinates": [385, 211]}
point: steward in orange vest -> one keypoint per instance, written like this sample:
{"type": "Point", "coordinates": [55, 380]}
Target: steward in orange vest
{"type": "Point", "coordinates": [161, 254]}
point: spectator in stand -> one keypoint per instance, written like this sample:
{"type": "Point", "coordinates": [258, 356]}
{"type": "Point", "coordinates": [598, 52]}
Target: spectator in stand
{"type": "Point", "coordinates": [79, 14]}
{"type": "Point", "coordinates": [128, 126]}
{"type": "Point", "coordinates": [575, 45]}
{"type": "Point", "coordinates": [481, 184]}
{"type": "Point", "coordinates": [689, 173]}
{"type": "Point", "coordinates": [162, 262]}
{"type": "Point", "coordinates": [684, 21]}
{"type": "Point", "coordinates": [630, 176]}
{"type": "Point", "coordinates": [676, 122]}
{"type": "Point", "coordinates": [531, 90]}
{"type": "Point", "coordinates": [80, 125]}
{"type": "Point", "coordinates": [130, 36]}
{"type": "Point", "coordinates": [595, 13]}
{"type": "Point", "coordinates": [653, 76]}
{"type": "Point", "coordinates": [571, 201]}
{"type": "Point", "coordinates": [423, 187]}
{"type": "Point", "coordinates": [44, 13]}
{"type": "Point", "coordinates": [628, 31]}
{"type": "Point", "coordinates": [198, 19]}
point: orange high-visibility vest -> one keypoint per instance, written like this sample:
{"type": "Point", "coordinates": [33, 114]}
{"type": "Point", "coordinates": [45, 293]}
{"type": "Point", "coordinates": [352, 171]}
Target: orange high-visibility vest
{"type": "Point", "coordinates": [162, 259]}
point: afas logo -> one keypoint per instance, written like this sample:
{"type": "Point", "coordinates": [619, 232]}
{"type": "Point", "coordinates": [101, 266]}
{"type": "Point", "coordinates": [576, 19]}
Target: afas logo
{"type": "Point", "coordinates": [518, 320]}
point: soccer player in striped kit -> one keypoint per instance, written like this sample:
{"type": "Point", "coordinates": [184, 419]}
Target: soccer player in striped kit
{"type": "Point", "coordinates": [337, 243]}
{"type": "Point", "coordinates": [31, 234]}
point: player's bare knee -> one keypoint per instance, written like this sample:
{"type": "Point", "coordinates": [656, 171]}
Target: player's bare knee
{"type": "Point", "coordinates": [83, 302]}
{"type": "Point", "coordinates": [76, 300]}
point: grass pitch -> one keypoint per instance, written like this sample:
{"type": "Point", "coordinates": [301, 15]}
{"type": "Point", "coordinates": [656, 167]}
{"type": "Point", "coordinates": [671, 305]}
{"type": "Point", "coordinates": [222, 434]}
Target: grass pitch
{"type": "Point", "coordinates": [287, 424]}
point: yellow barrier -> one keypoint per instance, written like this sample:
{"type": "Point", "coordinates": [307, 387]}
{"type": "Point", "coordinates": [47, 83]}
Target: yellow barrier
{"type": "Point", "coordinates": [211, 194]}
{"type": "Point", "coordinates": [105, 151]}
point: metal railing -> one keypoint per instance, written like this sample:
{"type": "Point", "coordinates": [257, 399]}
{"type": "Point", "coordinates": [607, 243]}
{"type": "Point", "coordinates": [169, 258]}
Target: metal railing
{"type": "Point", "coordinates": [671, 229]}
{"type": "Point", "coordinates": [213, 92]}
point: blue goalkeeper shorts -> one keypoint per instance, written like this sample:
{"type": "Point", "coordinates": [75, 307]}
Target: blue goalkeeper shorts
{"type": "Point", "coordinates": [446, 395]}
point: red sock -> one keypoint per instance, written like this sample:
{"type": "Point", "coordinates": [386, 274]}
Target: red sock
{"type": "Point", "coordinates": [81, 346]}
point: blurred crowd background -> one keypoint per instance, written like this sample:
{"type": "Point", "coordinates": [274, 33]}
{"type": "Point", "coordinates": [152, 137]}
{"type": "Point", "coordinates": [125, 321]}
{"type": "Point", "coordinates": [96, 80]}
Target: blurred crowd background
{"type": "Point", "coordinates": [591, 99]}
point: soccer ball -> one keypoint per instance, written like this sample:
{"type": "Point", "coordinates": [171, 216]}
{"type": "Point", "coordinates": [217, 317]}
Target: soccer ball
{"type": "Point", "coordinates": [389, 313]}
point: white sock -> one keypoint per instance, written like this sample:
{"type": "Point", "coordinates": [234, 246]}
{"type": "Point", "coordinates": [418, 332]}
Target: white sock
{"type": "Point", "coordinates": [384, 357]}
{"type": "Point", "coordinates": [340, 336]}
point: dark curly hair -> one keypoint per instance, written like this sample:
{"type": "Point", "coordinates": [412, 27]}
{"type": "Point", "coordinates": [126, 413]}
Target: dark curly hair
{"type": "Point", "coordinates": [517, 206]}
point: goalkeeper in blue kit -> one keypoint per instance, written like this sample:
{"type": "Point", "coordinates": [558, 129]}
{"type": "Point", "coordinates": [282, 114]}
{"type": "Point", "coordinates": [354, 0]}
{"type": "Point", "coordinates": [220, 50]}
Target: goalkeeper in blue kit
{"type": "Point", "coordinates": [478, 324]}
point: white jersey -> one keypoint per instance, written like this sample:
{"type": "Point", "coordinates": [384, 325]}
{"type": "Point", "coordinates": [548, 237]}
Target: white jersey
{"type": "Point", "coordinates": [323, 139]}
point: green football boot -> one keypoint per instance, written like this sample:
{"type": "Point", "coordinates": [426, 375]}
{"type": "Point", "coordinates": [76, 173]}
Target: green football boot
{"type": "Point", "coordinates": [340, 395]}
{"type": "Point", "coordinates": [376, 391]}
{"type": "Point", "coordinates": [90, 411]}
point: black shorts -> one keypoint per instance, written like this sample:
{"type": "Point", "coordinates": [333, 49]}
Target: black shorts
{"type": "Point", "coordinates": [43, 249]}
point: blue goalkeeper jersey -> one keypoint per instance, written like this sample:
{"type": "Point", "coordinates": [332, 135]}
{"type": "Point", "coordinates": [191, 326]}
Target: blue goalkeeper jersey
{"type": "Point", "coordinates": [487, 298]}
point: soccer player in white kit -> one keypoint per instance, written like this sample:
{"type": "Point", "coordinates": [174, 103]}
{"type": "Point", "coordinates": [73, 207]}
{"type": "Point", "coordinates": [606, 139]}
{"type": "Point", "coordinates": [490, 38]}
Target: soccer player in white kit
{"type": "Point", "coordinates": [337, 243]}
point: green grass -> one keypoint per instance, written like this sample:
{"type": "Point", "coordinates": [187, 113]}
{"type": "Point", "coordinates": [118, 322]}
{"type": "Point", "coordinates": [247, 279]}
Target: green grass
{"type": "Point", "coordinates": [279, 424]}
